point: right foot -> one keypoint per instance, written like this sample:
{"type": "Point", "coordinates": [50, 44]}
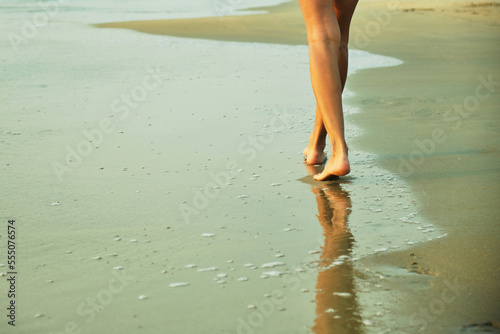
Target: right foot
{"type": "Point", "coordinates": [314, 156]}
{"type": "Point", "coordinates": [338, 165]}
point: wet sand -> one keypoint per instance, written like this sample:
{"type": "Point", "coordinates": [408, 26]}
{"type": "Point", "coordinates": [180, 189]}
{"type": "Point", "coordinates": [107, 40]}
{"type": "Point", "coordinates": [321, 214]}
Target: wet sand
{"type": "Point", "coordinates": [175, 198]}
{"type": "Point", "coordinates": [456, 177]}
{"type": "Point", "coordinates": [440, 134]}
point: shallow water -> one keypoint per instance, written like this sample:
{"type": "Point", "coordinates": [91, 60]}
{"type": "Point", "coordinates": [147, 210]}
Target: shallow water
{"type": "Point", "coordinates": [196, 213]}
{"type": "Point", "coordinates": [95, 11]}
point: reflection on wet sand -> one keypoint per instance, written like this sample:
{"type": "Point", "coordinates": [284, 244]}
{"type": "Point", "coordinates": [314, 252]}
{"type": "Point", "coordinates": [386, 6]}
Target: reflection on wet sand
{"type": "Point", "coordinates": [336, 305]}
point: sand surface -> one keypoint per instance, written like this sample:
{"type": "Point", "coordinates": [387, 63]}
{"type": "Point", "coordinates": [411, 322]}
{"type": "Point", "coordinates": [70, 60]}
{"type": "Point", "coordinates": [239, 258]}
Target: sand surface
{"type": "Point", "coordinates": [133, 162]}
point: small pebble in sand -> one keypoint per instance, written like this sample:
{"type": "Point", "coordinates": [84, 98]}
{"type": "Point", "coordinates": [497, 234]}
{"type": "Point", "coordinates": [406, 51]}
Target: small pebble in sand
{"type": "Point", "coordinates": [208, 235]}
{"type": "Point", "coordinates": [208, 269]}
{"type": "Point", "coordinates": [248, 265]}
{"type": "Point", "coordinates": [222, 275]}
{"type": "Point", "coordinates": [221, 281]}
{"type": "Point", "coordinates": [367, 322]}
{"type": "Point", "coordinates": [133, 240]}
{"type": "Point", "coordinates": [38, 315]}
{"type": "Point", "coordinates": [56, 204]}
{"type": "Point", "coordinates": [272, 264]}
{"type": "Point", "coordinates": [342, 294]}
{"type": "Point", "coordinates": [178, 284]}
{"type": "Point", "coordinates": [281, 309]}
{"type": "Point", "coordinates": [264, 276]}
{"type": "Point", "coordinates": [289, 229]}
{"type": "Point", "coordinates": [229, 261]}
{"type": "Point", "coordinates": [96, 258]}
{"type": "Point", "coordinates": [49, 281]}
{"type": "Point", "coordinates": [117, 239]}
{"type": "Point", "coordinates": [330, 310]}
{"type": "Point", "coordinates": [274, 273]}
{"type": "Point", "coordinates": [305, 290]}
{"type": "Point", "coordinates": [275, 184]}
{"type": "Point", "coordinates": [314, 252]}
{"type": "Point", "coordinates": [163, 271]}
{"type": "Point", "coordinates": [118, 268]}
{"type": "Point", "coordinates": [190, 265]}
{"type": "Point", "coordinates": [300, 270]}
{"type": "Point", "coordinates": [279, 255]}
{"type": "Point", "coordinates": [242, 279]}
{"type": "Point", "coordinates": [142, 297]}
{"type": "Point", "coordinates": [251, 307]}
{"type": "Point", "coordinates": [69, 252]}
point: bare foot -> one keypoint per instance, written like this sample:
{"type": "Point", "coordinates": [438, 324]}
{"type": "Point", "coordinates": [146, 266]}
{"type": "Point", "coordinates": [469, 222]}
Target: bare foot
{"type": "Point", "coordinates": [314, 156]}
{"type": "Point", "coordinates": [338, 165]}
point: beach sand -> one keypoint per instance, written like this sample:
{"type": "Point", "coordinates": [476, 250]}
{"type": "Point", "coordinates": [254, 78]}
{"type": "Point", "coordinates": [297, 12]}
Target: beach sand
{"type": "Point", "coordinates": [135, 163]}
{"type": "Point", "coordinates": [439, 112]}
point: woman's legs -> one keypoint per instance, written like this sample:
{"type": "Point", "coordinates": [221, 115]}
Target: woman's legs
{"type": "Point", "coordinates": [327, 24]}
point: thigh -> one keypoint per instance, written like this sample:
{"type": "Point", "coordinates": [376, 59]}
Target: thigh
{"type": "Point", "coordinates": [318, 13]}
{"type": "Point", "coordinates": [344, 10]}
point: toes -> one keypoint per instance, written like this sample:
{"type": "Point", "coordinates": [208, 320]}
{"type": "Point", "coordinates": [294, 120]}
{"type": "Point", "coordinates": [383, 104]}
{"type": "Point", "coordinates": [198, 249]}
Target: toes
{"type": "Point", "coordinates": [319, 177]}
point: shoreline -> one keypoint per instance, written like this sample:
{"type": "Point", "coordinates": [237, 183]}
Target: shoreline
{"type": "Point", "coordinates": [449, 260]}
{"type": "Point", "coordinates": [179, 173]}
{"type": "Point", "coordinates": [118, 210]}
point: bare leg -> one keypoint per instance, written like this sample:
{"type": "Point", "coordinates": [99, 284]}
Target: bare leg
{"type": "Point", "coordinates": [327, 25]}
{"type": "Point", "coordinates": [315, 150]}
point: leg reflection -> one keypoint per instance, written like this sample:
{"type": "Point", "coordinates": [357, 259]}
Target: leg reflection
{"type": "Point", "coordinates": [336, 305]}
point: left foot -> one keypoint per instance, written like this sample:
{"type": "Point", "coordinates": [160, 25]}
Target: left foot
{"type": "Point", "coordinates": [314, 156]}
{"type": "Point", "coordinates": [338, 165]}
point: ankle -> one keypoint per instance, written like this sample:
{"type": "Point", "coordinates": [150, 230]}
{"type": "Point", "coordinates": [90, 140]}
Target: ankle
{"type": "Point", "coordinates": [317, 144]}
{"type": "Point", "coordinates": [340, 149]}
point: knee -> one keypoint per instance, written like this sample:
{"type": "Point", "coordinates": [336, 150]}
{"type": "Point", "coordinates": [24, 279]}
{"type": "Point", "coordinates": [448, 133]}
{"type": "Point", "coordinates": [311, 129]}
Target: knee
{"type": "Point", "coordinates": [325, 36]}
